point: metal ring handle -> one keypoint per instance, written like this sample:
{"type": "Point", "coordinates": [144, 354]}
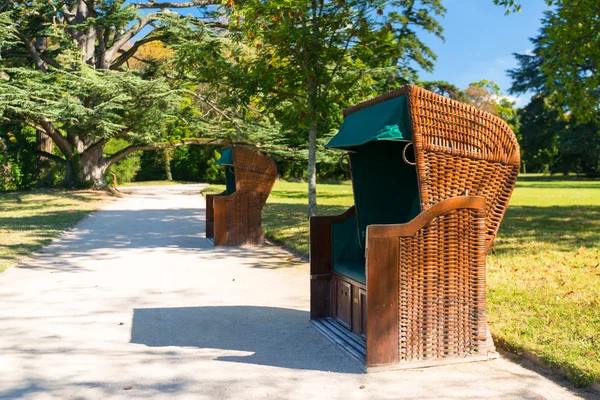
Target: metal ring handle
{"type": "Point", "coordinates": [342, 165]}
{"type": "Point", "coordinates": [404, 155]}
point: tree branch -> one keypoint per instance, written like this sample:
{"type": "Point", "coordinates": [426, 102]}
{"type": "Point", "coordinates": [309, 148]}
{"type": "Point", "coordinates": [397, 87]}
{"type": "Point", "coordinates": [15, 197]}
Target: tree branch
{"type": "Point", "coordinates": [37, 60]}
{"type": "Point", "coordinates": [63, 144]}
{"type": "Point", "coordinates": [217, 109]}
{"type": "Point", "coordinates": [123, 58]}
{"type": "Point", "coordinates": [166, 145]}
{"type": "Point", "coordinates": [122, 40]}
{"type": "Point", "coordinates": [52, 157]}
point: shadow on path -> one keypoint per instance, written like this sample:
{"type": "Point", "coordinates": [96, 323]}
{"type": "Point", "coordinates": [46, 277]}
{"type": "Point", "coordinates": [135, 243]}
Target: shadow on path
{"type": "Point", "coordinates": [273, 336]}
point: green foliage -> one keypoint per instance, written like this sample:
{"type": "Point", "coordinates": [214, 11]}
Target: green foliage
{"type": "Point", "coordinates": [18, 164]}
{"type": "Point", "coordinates": [445, 89]}
{"type": "Point", "coordinates": [346, 65]}
{"type": "Point", "coordinates": [10, 173]}
{"type": "Point", "coordinates": [561, 125]}
{"type": "Point", "coordinates": [126, 168]}
{"type": "Point", "coordinates": [541, 126]}
{"type": "Point", "coordinates": [64, 71]}
{"type": "Point", "coordinates": [570, 56]}
{"type": "Point", "coordinates": [191, 163]}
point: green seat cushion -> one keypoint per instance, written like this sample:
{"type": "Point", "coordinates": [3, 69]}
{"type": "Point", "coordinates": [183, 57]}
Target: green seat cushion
{"type": "Point", "coordinates": [352, 270]}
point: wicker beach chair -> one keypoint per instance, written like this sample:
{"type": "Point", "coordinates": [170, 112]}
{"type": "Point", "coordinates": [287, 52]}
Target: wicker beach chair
{"type": "Point", "coordinates": [234, 217]}
{"type": "Point", "coordinates": [399, 280]}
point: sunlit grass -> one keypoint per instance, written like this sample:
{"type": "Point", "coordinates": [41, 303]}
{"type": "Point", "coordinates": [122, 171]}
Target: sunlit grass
{"type": "Point", "coordinates": [30, 220]}
{"type": "Point", "coordinates": [543, 274]}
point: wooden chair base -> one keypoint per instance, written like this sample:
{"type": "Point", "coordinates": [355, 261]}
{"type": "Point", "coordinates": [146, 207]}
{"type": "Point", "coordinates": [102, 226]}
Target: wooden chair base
{"type": "Point", "coordinates": [356, 347]}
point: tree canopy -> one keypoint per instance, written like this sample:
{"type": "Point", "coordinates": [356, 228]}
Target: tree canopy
{"type": "Point", "coordinates": [561, 125]}
{"type": "Point", "coordinates": [66, 75]}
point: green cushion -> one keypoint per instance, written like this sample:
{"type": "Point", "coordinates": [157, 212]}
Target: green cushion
{"type": "Point", "coordinates": [354, 271]}
{"type": "Point", "coordinates": [226, 158]}
{"type": "Point", "coordinates": [387, 121]}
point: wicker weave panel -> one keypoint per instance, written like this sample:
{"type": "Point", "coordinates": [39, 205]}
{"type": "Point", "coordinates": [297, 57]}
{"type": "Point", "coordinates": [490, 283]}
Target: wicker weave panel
{"type": "Point", "coordinates": [254, 171]}
{"type": "Point", "coordinates": [459, 147]}
{"type": "Point", "coordinates": [442, 289]}
{"type": "Point", "coordinates": [491, 180]}
{"type": "Point", "coordinates": [244, 219]}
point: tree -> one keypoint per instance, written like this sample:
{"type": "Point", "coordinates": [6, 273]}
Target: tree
{"type": "Point", "coordinates": [570, 55]}
{"type": "Point", "coordinates": [64, 69]}
{"type": "Point", "coordinates": [445, 89]}
{"type": "Point", "coordinates": [542, 123]}
{"type": "Point", "coordinates": [561, 125]}
{"type": "Point", "coordinates": [484, 95]}
{"type": "Point", "coordinates": [311, 59]}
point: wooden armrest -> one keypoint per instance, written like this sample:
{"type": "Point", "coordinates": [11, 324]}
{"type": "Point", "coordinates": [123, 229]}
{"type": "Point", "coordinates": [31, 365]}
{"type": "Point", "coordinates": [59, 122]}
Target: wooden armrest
{"type": "Point", "coordinates": [421, 220]}
{"type": "Point", "coordinates": [223, 193]}
{"type": "Point", "coordinates": [329, 219]}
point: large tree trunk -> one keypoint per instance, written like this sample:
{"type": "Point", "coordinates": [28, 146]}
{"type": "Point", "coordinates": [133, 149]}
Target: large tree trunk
{"type": "Point", "coordinates": [44, 144]}
{"type": "Point", "coordinates": [87, 170]}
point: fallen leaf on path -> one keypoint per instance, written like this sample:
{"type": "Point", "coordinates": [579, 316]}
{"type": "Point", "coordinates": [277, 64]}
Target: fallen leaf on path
{"type": "Point", "coordinates": [362, 387]}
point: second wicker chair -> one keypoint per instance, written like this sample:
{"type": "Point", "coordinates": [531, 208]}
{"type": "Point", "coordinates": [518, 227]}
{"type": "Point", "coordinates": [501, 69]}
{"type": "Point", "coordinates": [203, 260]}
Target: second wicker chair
{"type": "Point", "coordinates": [234, 217]}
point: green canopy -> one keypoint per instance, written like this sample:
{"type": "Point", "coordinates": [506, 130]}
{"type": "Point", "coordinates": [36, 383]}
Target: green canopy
{"type": "Point", "coordinates": [387, 120]}
{"type": "Point", "coordinates": [226, 158]}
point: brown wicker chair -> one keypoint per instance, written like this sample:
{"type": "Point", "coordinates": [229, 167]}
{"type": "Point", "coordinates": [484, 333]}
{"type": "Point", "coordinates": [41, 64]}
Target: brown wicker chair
{"type": "Point", "coordinates": [400, 278]}
{"type": "Point", "coordinates": [234, 217]}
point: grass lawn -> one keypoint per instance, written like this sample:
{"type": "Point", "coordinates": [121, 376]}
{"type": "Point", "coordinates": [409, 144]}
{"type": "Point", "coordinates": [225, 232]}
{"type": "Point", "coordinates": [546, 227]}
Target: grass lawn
{"type": "Point", "coordinates": [29, 220]}
{"type": "Point", "coordinates": [543, 275]}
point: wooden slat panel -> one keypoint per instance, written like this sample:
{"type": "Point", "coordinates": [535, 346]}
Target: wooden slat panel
{"type": "Point", "coordinates": [220, 221]}
{"type": "Point", "coordinates": [357, 317]}
{"type": "Point", "coordinates": [382, 301]}
{"type": "Point", "coordinates": [343, 313]}
{"type": "Point", "coordinates": [362, 295]}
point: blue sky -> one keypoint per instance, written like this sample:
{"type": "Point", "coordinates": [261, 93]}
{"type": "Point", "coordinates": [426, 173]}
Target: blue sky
{"type": "Point", "coordinates": [481, 40]}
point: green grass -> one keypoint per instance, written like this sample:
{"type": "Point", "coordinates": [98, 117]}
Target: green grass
{"type": "Point", "coordinates": [30, 220]}
{"type": "Point", "coordinates": [543, 275]}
